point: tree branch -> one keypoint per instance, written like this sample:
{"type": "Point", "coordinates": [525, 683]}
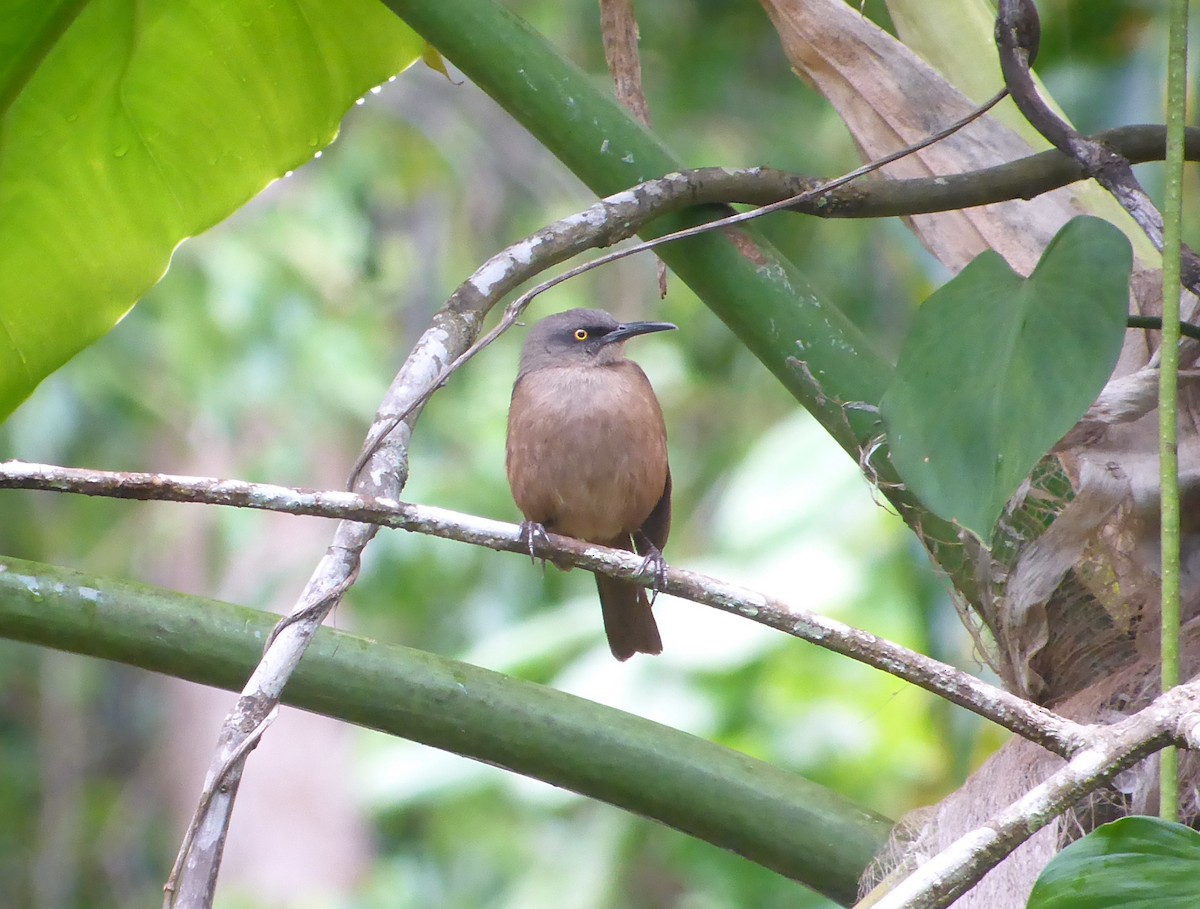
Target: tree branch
{"type": "Point", "coordinates": [1036, 723]}
{"type": "Point", "coordinates": [193, 879]}
{"type": "Point", "coordinates": [952, 872]}
{"type": "Point", "coordinates": [1016, 30]}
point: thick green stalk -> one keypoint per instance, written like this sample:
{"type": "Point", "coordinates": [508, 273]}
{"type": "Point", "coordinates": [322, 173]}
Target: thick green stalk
{"type": "Point", "coordinates": [808, 343]}
{"type": "Point", "coordinates": [1168, 375]}
{"type": "Point", "coordinates": [774, 818]}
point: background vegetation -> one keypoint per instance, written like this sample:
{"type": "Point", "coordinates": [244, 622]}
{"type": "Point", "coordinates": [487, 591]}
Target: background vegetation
{"type": "Point", "coordinates": [262, 355]}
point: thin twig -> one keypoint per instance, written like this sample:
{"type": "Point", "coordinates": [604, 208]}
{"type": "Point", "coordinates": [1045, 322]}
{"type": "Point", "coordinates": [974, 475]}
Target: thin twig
{"type": "Point", "coordinates": [1154, 323]}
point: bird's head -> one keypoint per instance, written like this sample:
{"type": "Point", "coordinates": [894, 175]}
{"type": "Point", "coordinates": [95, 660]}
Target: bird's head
{"type": "Point", "coordinates": [580, 337]}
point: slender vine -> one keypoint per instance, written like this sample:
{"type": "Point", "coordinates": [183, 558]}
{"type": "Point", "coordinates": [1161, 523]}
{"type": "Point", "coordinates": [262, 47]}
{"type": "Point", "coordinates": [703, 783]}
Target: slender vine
{"type": "Point", "coordinates": [1167, 411]}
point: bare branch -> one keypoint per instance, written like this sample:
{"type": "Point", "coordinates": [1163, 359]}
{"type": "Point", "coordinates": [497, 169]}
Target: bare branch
{"type": "Point", "coordinates": [200, 857]}
{"type": "Point", "coordinates": [941, 880]}
{"type": "Point", "coordinates": [1016, 28]}
{"type": "Point", "coordinates": [1036, 723]}
{"type": "Point", "coordinates": [194, 874]}
{"type": "Point", "coordinates": [220, 782]}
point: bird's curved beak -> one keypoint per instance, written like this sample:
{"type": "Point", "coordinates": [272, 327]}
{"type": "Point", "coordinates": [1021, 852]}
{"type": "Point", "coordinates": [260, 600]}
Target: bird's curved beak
{"type": "Point", "coordinates": [627, 330]}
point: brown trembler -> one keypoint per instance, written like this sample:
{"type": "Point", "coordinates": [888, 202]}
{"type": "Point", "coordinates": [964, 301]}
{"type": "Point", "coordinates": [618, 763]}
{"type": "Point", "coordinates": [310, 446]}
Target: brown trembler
{"type": "Point", "coordinates": [587, 455]}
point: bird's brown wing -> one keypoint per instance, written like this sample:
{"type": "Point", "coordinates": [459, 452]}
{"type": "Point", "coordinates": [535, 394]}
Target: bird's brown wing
{"type": "Point", "coordinates": [657, 527]}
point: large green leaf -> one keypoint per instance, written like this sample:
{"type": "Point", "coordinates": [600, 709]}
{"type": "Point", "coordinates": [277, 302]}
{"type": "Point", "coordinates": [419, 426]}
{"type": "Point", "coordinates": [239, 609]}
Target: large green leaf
{"type": "Point", "coordinates": [1133, 863]}
{"type": "Point", "coordinates": [998, 367]}
{"type": "Point", "coordinates": [126, 127]}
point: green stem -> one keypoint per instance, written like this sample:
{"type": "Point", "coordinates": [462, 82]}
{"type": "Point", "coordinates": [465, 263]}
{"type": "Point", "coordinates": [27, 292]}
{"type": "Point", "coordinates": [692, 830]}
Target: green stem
{"type": "Point", "coordinates": [808, 343]}
{"type": "Point", "coordinates": [771, 817]}
{"type": "Point", "coordinates": [1167, 409]}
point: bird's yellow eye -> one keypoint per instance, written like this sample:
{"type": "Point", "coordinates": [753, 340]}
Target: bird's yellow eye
{"type": "Point", "coordinates": [581, 334]}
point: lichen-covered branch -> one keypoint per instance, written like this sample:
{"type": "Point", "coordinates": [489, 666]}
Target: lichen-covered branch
{"type": "Point", "coordinates": [949, 874]}
{"type": "Point", "coordinates": [1029, 720]}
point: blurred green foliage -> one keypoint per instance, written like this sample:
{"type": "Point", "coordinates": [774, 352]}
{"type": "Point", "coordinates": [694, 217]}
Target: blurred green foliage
{"type": "Point", "coordinates": [262, 355]}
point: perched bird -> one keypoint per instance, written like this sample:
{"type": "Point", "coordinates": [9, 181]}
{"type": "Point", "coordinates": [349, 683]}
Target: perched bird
{"type": "Point", "coordinates": [587, 455]}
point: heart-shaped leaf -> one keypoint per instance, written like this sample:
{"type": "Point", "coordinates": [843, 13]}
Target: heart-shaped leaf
{"type": "Point", "coordinates": [126, 127]}
{"type": "Point", "coordinates": [1133, 863]}
{"type": "Point", "coordinates": [998, 367]}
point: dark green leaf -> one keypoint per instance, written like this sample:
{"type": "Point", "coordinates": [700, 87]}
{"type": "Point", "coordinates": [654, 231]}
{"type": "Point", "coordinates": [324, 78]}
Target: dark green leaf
{"type": "Point", "coordinates": [127, 127]}
{"type": "Point", "coordinates": [1133, 863]}
{"type": "Point", "coordinates": [997, 368]}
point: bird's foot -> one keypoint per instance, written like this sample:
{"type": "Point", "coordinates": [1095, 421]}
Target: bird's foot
{"type": "Point", "coordinates": [530, 535]}
{"type": "Point", "coordinates": [654, 564]}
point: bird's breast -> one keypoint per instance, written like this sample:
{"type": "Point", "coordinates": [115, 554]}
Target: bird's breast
{"type": "Point", "coordinates": [587, 449]}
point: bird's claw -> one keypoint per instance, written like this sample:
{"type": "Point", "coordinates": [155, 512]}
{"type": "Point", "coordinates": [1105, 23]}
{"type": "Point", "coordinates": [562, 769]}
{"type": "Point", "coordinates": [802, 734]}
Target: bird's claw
{"type": "Point", "coordinates": [653, 563]}
{"type": "Point", "coordinates": [530, 535]}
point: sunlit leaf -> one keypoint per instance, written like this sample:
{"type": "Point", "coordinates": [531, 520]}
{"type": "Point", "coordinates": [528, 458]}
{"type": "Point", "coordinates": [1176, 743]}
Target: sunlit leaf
{"type": "Point", "coordinates": [127, 127]}
{"type": "Point", "coordinates": [998, 367]}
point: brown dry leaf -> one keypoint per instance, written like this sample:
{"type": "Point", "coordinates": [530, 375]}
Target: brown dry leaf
{"type": "Point", "coordinates": [890, 98]}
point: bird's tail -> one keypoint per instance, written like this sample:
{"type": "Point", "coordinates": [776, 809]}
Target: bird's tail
{"type": "Point", "coordinates": [628, 620]}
